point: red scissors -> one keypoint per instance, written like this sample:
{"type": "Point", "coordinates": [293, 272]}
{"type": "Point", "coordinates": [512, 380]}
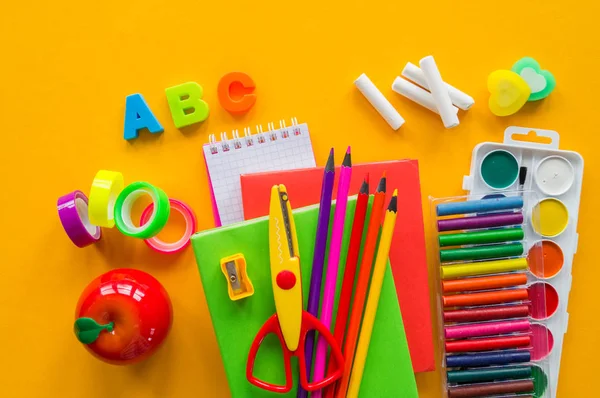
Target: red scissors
{"type": "Point", "coordinates": [290, 323]}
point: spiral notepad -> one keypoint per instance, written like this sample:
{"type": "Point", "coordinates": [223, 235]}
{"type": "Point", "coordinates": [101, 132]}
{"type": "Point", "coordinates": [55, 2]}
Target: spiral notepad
{"type": "Point", "coordinates": [284, 148]}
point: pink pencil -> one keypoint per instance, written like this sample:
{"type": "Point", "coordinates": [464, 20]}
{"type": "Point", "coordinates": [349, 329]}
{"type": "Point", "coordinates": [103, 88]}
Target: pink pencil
{"type": "Point", "coordinates": [337, 232]}
{"type": "Point", "coordinates": [486, 329]}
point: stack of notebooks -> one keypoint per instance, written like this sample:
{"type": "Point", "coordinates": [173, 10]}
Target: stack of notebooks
{"type": "Point", "coordinates": [407, 255]}
{"type": "Point", "coordinates": [241, 172]}
{"type": "Point", "coordinates": [388, 370]}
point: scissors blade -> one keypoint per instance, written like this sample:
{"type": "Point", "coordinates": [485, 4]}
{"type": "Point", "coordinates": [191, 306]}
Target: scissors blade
{"type": "Point", "coordinates": [289, 234]}
{"type": "Point", "coordinates": [285, 267]}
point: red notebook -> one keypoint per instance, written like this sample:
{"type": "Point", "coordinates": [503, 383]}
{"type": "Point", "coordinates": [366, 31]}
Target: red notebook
{"type": "Point", "coordinates": [407, 255]}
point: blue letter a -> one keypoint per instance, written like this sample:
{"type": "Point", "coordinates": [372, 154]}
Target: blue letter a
{"type": "Point", "coordinates": [138, 116]}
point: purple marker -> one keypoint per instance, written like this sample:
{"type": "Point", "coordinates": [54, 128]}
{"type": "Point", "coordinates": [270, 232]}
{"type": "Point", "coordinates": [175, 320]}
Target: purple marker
{"type": "Point", "coordinates": [497, 220]}
{"type": "Point", "coordinates": [316, 276]}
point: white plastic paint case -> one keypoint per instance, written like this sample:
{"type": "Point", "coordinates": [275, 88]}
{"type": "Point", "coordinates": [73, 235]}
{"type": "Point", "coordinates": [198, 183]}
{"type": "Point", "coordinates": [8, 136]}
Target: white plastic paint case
{"type": "Point", "coordinates": [531, 155]}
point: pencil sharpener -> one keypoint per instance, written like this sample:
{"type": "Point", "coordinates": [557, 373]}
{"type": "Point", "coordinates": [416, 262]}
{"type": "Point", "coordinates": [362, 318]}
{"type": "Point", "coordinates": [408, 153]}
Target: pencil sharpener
{"type": "Point", "coordinates": [239, 285]}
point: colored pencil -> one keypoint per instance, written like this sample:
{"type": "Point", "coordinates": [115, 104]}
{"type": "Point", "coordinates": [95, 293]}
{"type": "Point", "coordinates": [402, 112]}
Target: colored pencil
{"type": "Point", "coordinates": [362, 284]}
{"type": "Point", "coordinates": [316, 276]}
{"type": "Point", "coordinates": [362, 349]}
{"type": "Point", "coordinates": [337, 233]}
{"type": "Point", "coordinates": [349, 273]}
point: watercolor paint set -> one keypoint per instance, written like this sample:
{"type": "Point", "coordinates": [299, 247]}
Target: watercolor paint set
{"type": "Point", "coordinates": [556, 177]}
{"type": "Point", "coordinates": [492, 305]}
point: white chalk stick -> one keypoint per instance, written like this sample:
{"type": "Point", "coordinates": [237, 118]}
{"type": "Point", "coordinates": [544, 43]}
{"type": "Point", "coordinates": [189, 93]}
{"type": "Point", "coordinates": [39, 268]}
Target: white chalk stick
{"type": "Point", "coordinates": [379, 102]}
{"type": "Point", "coordinates": [416, 94]}
{"type": "Point", "coordinates": [439, 92]}
{"type": "Point", "coordinates": [460, 99]}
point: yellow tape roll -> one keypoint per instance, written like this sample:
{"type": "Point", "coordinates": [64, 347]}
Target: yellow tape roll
{"type": "Point", "coordinates": [107, 185]}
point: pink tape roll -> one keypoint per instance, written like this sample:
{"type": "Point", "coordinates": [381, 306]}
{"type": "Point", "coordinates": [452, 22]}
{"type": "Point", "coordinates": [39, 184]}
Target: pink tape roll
{"type": "Point", "coordinates": [73, 213]}
{"type": "Point", "coordinates": [190, 228]}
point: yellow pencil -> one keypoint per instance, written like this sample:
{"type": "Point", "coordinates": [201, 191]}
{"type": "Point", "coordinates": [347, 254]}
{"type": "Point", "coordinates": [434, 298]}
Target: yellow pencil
{"type": "Point", "coordinates": [362, 348]}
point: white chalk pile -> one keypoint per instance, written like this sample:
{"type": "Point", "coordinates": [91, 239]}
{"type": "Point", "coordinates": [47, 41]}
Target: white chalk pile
{"type": "Point", "coordinates": [442, 98]}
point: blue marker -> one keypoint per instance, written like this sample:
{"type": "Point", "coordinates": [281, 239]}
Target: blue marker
{"type": "Point", "coordinates": [480, 206]}
{"type": "Point", "coordinates": [487, 359]}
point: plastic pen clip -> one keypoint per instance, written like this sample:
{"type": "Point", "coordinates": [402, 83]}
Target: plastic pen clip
{"type": "Point", "coordinates": [239, 285]}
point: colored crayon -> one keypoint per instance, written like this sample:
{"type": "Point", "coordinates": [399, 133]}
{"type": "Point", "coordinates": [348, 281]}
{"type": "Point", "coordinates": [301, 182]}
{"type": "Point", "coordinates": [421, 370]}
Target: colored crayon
{"type": "Point", "coordinates": [488, 344]}
{"type": "Point", "coordinates": [482, 252]}
{"type": "Point", "coordinates": [484, 267]}
{"type": "Point", "coordinates": [479, 206]}
{"type": "Point", "coordinates": [484, 283]}
{"type": "Point", "coordinates": [486, 314]}
{"type": "Point", "coordinates": [487, 389]}
{"type": "Point", "coordinates": [481, 237]}
{"type": "Point", "coordinates": [478, 222]}
{"type": "Point", "coordinates": [489, 374]}
{"type": "Point", "coordinates": [483, 298]}
{"type": "Point", "coordinates": [486, 329]}
{"type": "Point", "coordinates": [488, 358]}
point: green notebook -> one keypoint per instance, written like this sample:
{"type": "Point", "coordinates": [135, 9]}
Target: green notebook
{"type": "Point", "coordinates": [388, 370]}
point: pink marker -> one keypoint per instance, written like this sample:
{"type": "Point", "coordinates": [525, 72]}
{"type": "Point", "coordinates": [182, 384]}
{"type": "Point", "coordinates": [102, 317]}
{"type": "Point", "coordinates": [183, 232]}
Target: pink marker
{"type": "Point", "coordinates": [486, 329]}
{"type": "Point", "coordinates": [337, 233]}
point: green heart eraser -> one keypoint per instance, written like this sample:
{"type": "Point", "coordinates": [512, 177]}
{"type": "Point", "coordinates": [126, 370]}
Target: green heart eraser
{"type": "Point", "coordinates": [540, 81]}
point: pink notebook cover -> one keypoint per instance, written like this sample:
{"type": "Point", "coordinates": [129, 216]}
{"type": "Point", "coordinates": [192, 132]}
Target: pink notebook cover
{"type": "Point", "coordinates": [407, 256]}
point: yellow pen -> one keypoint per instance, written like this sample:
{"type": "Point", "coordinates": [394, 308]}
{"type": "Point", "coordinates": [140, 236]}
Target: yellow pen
{"type": "Point", "coordinates": [383, 252]}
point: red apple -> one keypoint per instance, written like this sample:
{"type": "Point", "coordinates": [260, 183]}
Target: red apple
{"type": "Point", "coordinates": [123, 316]}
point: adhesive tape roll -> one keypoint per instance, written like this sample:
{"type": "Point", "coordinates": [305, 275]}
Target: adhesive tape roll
{"type": "Point", "coordinates": [105, 188]}
{"type": "Point", "coordinates": [190, 227]}
{"type": "Point", "coordinates": [160, 213]}
{"type": "Point", "coordinates": [73, 213]}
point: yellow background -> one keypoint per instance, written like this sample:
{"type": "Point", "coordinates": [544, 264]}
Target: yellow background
{"type": "Point", "coordinates": [66, 69]}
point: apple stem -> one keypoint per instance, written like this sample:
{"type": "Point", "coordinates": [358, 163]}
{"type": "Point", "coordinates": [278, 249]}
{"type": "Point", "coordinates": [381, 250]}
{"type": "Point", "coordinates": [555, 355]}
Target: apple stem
{"type": "Point", "coordinates": [87, 330]}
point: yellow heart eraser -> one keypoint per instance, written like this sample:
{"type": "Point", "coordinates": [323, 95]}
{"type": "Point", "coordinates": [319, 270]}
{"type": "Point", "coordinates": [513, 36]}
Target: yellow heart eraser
{"type": "Point", "coordinates": [509, 92]}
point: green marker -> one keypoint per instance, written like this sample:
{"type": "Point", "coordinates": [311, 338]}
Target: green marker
{"type": "Point", "coordinates": [482, 252]}
{"type": "Point", "coordinates": [481, 237]}
{"type": "Point", "coordinates": [509, 372]}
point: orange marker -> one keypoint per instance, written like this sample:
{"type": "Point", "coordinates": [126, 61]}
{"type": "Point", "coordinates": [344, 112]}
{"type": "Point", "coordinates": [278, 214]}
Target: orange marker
{"type": "Point", "coordinates": [240, 85]}
{"type": "Point", "coordinates": [362, 286]}
{"type": "Point", "coordinates": [483, 283]}
{"type": "Point", "coordinates": [500, 296]}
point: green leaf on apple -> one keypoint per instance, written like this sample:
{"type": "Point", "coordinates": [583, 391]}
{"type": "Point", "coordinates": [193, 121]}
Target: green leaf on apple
{"type": "Point", "coordinates": [87, 330]}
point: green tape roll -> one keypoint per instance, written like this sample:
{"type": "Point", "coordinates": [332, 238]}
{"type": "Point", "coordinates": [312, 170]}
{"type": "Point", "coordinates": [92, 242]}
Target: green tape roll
{"type": "Point", "coordinates": [475, 375]}
{"type": "Point", "coordinates": [481, 237]}
{"type": "Point", "coordinates": [482, 252]}
{"type": "Point", "coordinates": [158, 219]}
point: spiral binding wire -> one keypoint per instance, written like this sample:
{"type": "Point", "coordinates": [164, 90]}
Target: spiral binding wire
{"type": "Point", "coordinates": [248, 139]}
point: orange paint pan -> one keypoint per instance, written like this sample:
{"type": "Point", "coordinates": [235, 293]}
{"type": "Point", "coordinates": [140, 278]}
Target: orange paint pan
{"type": "Point", "coordinates": [500, 296]}
{"type": "Point", "coordinates": [484, 283]}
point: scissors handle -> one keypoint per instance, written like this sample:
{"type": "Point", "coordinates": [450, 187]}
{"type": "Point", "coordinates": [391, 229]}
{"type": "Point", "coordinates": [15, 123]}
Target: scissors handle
{"type": "Point", "coordinates": [270, 326]}
{"type": "Point", "coordinates": [309, 323]}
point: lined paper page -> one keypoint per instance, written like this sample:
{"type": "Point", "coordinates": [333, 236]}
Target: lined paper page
{"type": "Point", "coordinates": [225, 167]}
